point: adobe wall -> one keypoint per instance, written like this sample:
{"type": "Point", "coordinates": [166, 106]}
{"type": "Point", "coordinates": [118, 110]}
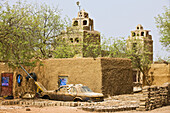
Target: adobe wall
{"type": "Point", "coordinates": [85, 71]}
{"type": "Point", "coordinates": [116, 76]}
{"type": "Point", "coordinates": [111, 75]}
{"type": "Point", "coordinates": [160, 73]}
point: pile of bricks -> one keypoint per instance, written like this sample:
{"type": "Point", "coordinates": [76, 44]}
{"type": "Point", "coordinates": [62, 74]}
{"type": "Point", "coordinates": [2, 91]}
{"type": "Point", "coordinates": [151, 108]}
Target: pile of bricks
{"type": "Point", "coordinates": [166, 93]}
{"type": "Point", "coordinates": [144, 101]}
{"type": "Point", "coordinates": [40, 103]}
{"type": "Point", "coordinates": [107, 108]}
{"type": "Point", "coordinates": [10, 102]}
{"type": "Point", "coordinates": [154, 97]}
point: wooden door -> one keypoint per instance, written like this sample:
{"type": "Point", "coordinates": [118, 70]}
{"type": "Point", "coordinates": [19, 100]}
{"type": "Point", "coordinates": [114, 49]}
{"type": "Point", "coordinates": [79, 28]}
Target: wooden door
{"type": "Point", "coordinates": [6, 84]}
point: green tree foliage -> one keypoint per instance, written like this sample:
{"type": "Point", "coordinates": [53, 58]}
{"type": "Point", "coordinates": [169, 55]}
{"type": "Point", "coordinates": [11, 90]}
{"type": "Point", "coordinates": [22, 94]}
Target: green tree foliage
{"type": "Point", "coordinates": [141, 57]}
{"type": "Point", "coordinates": [28, 32]}
{"type": "Point", "coordinates": [139, 54]}
{"type": "Point", "coordinates": [114, 47]}
{"type": "Point", "coordinates": [163, 24]}
{"type": "Point", "coordinates": [91, 45]}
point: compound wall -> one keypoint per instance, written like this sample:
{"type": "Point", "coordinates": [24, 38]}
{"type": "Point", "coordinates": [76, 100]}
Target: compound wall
{"type": "Point", "coordinates": [159, 73]}
{"type": "Point", "coordinates": [116, 76]}
{"type": "Point", "coordinates": [111, 76]}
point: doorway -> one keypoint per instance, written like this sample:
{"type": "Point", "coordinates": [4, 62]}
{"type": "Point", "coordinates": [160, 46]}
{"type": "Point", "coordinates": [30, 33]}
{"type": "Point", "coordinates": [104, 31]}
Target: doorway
{"type": "Point", "coordinates": [6, 84]}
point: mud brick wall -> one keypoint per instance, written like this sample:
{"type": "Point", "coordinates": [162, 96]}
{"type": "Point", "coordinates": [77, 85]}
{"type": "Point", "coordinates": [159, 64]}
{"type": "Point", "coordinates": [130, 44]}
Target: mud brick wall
{"type": "Point", "coordinates": [116, 76]}
{"type": "Point", "coordinates": [85, 71]}
{"type": "Point", "coordinates": [160, 73]}
{"type": "Point", "coordinates": [108, 75]}
{"type": "Point", "coordinates": [26, 86]}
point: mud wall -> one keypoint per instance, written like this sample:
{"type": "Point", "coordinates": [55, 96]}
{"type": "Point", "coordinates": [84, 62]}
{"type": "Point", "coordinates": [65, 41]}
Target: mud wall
{"type": "Point", "coordinates": [116, 76]}
{"type": "Point", "coordinates": [111, 75]}
{"type": "Point", "coordinates": [85, 71]}
{"type": "Point", "coordinates": [26, 86]}
{"type": "Point", "coordinates": [160, 73]}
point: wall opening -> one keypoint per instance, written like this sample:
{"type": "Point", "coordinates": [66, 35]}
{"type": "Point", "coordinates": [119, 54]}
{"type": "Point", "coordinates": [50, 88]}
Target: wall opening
{"type": "Point", "coordinates": [133, 34]}
{"type": "Point", "coordinates": [86, 15]}
{"type": "Point", "coordinates": [62, 80]}
{"type": "Point", "coordinates": [134, 47]}
{"type": "Point", "coordinates": [77, 40]}
{"type": "Point", "coordinates": [85, 22]}
{"type": "Point", "coordinates": [71, 40]}
{"type": "Point", "coordinates": [75, 23]}
{"type": "Point", "coordinates": [142, 33]}
{"type": "Point", "coordinates": [134, 76]}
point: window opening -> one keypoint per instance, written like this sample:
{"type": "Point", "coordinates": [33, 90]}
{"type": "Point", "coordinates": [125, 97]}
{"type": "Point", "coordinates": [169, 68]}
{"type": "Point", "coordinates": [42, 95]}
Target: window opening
{"type": "Point", "coordinates": [134, 47]}
{"type": "Point", "coordinates": [85, 22]}
{"type": "Point", "coordinates": [77, 40]}
{"type": "Point", "coordinates": [75, 23]}
{"type": "Point", "coordinates": [86, 15]}
{"type": "Point", "coordinates": [63, 80]}
{"type": "Point", "coordinates": [71, 40]}
{"type": "Point", "coordinates": [142, 33]}
{"type": "Point", "coordinates": [133, 34]}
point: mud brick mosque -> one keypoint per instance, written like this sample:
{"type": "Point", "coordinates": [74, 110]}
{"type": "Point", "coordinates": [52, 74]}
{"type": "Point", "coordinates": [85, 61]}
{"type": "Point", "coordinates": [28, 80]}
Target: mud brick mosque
{"type": "Point", "coordinates": [111, 76]}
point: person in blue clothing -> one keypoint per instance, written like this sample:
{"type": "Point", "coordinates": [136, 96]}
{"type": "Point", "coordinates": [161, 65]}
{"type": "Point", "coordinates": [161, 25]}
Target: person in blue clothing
{"type": "Point", "coordinates": [4, 81]}
{"type": "Point", "coordinates": [62, 82]}
{"type": "Point", "coordinates": [19, 79]}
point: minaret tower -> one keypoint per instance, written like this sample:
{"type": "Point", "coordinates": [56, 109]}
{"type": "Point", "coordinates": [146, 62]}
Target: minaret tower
{"type": "Point", "coordinates": [83, 36]}
{"type": "Point", "coordinates": [143, 38]}
{"type": "Point", "coordinates": [83, 21]}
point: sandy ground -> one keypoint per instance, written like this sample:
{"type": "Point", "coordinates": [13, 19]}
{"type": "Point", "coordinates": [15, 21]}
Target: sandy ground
{"type": "Point", "coordinates": [20, 109]}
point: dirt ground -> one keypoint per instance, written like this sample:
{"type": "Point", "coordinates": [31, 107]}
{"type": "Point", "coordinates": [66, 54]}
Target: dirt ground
{"type": "Point", "coordinates": [21, 109]}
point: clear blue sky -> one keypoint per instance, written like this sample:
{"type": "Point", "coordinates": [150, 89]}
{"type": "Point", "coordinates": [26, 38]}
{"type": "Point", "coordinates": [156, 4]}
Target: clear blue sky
{"type": "Point", "coordinates": [117, 17]}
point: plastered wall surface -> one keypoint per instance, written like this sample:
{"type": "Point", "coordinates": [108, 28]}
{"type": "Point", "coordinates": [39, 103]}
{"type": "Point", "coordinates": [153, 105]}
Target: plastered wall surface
{"type": "Point", "coordinates": [116, 76]}
{"type": "Point", "coordinates": [85, 71]}
{"type": "Point", "coordinates": [160, 73]}
{"type": "Point", "coordinates": [110, 76]}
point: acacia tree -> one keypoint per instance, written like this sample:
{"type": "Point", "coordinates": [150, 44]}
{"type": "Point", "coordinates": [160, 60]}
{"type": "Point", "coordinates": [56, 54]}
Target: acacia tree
{"type": "Point", "coordinates": [16, 38]}
{"type": "Point", "coordinates": [91, 45]}
{"type": "Point", "coordinates": [28, 33]}
{"type": "Point", "coordinates": [163, 24]}
{"type": "Point", "coordinates": [114, 47]}
{"type": "Point", "coordinates": [140, 56]}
